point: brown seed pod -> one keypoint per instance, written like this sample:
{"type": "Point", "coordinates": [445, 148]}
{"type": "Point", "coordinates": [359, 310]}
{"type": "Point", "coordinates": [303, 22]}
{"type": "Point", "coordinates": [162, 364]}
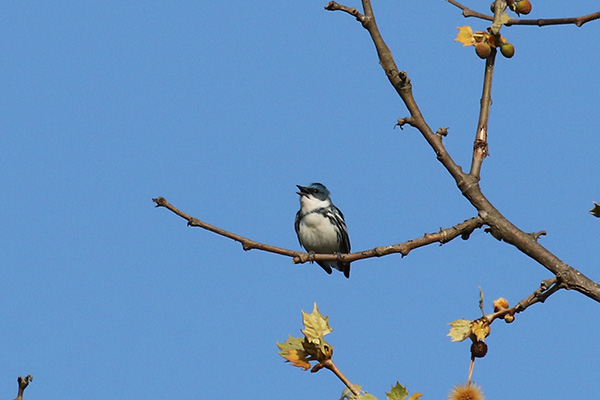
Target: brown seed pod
{"type": "Point", "coordinates": [479, 349]}
{"type": "Point", "coordinates": [483, 50]}
{"type": "Point", "coordinates": [523, 7]}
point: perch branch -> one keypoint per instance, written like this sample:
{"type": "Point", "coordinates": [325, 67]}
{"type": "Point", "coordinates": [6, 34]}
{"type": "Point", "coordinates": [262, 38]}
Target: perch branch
{"type": "Point", "coordinates": [464, 230]}
{"type": "Point", "coordinates": [578, 21]}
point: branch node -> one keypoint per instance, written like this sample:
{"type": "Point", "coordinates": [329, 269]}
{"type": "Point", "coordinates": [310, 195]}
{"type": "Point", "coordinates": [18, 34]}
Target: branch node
{"type": "Point", "coordinates": [442, 132]}
{"type": "Point", "coordinates": [405, 80]}
{"type": "Point", "coordinates": [23, 382]}
{"type": "Point", "coordinates": [403, 121]}
{"type": "Point", "coordinates": [160, 201]}
{"type": "Point", "coordinates": [536, 235]}
{"type": "Point", "coordinates": [443, 236]}
{"type": "Point", "coordinates": [494, 232]}
{"type": "Point", "coordinates": [333, 6]}
{"type": "Point", "coordinates": [481, 147]}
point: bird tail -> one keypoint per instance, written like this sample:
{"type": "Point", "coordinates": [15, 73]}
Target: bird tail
{"type": "Point", "coordinates": [326, 266]}
{"type": "Point", "coordinates": [344, 267]}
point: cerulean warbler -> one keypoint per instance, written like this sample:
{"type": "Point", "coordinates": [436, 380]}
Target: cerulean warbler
{"type": "Point", "coordinates": [320, 226]}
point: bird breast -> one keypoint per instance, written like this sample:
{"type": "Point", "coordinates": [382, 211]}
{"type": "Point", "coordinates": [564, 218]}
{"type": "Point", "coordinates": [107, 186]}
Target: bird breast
{"type": "Point", "coordinates": [318, 234]}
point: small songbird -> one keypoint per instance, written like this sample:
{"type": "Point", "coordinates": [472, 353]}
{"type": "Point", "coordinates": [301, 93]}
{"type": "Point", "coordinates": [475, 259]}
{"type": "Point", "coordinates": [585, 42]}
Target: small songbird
{"type": "Point", "coordinates": [320, 226]}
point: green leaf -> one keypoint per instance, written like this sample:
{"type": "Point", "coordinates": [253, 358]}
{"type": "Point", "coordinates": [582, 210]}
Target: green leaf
{"type": "Point", "coordinates": [398, 392]}
{"type": "Point", "coordinates": [320, 351]}
{"type": "Point", "coordinates": [347, 393]}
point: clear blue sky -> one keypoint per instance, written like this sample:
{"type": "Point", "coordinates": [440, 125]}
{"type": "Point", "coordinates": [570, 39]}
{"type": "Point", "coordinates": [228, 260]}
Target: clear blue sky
{"type": "Point", "coordinates": [222, 108]}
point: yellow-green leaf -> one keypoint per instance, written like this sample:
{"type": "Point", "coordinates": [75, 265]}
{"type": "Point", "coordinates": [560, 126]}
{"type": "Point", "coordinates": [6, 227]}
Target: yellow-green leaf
{"type": "Point", "coordinates": [366, 396]}
{"type": "Point", "coordinates": [348, 395]}
{"type": "Point", "coordinates": [504, 18]}
{"type": "Point", "coordinates": [293, 351]}
{"type": "Point", "coordinates": [481, 329]}
{"type": "Point", "coordinates": [398, 392]}
{"type": "Point", "coordinates": [460, 330]}
{"type": "Point", "coordinates": [497, 25]}
{"type": "Point", "coordinates": [315, 326]}
{"type": "Point", "coordinates": [320, 351]}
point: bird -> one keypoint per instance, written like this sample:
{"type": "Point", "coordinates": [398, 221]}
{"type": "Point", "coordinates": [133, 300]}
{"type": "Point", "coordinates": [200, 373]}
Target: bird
{"type": "Point", "coordinates": [321, 227]}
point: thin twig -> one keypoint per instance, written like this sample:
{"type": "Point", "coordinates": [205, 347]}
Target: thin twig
{"type": "Point", "coordinates": [578, 21]}
{"type": "Point", "coordinates": [480, 147]}
{"type": "Point", "coordinates": [329, 364]}
{"type": "Point", "coordinates": [547, 288]}
{"type": "Point", "coordinates": [333, 6]}
{"type": "Point", "coordinates": [471, 365]}
{"type": "Point", "coordinates": [23, 382]}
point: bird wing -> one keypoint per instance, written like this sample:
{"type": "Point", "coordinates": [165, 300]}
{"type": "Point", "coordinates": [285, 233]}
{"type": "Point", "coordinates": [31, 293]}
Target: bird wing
{"type": "Point", "coordinates": [337, 218]}
{"type": "Point", "coordinates": [297, 225]}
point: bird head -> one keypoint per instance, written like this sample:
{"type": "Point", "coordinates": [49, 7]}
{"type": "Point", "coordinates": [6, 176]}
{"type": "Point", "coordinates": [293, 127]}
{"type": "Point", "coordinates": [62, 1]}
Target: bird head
{"type": "Point", "coordinates": [317, 191]}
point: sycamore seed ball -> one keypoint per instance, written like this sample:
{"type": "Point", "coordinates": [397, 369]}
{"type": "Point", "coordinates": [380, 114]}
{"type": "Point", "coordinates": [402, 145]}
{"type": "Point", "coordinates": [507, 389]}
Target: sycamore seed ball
{"type": "Point", "coordinates": [523, 7]}
{"type": "Point", "coordinates": [479, 349]}
{"type": "Point", "coordinates": [483, 50]}
{"type": "Point", "coordinates": [507, 50]}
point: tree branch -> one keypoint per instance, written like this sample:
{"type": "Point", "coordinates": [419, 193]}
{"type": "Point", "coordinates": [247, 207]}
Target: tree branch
{"type": "Point", "coordinates": [23, 382]}
{"type": "Point", "coordinates": [464, 230]}
{"type": "Point", "coordinates": [480, 147]}
{"type": "Point", "coordinates": [330, 365]}
{"type": "Point", "coordinates": [547, 288]}
{"type": "Point", "coordinates": [469, 183]}
{"type": "Point", "coordinates": [578, 21]}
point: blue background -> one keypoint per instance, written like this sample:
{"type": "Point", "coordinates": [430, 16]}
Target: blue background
{"type": "Point", "coordinates": [222, 108]}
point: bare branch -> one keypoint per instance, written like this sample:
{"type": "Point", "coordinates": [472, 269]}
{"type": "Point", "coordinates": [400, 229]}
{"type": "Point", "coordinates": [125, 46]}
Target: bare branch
{"type": "Point", "coordinates": [23, 382]}
{"type": "Point", "coordinates": [333, 6]}
{"type": "Point", "coordinates": [547, 288]}
{"type": "Point", "coordinates": [578, 21]}
{"type": "Point", "coordinates": [329, 364]}
{"type": "Point", "coordinates": [247, 244]}
{"type": "Point", "coordinates": [464, 230]}
{"type": "Point", "coordinates": [469, 183]}
{"type": "Point", "coordinates": [467, 12]}
{"type": "Point", "coordinates": [480, 147]}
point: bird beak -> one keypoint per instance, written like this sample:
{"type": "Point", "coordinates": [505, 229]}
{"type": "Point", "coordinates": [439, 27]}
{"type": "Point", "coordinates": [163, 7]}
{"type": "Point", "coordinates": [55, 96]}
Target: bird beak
{"type": "Point", "coordinates": [303, 190]}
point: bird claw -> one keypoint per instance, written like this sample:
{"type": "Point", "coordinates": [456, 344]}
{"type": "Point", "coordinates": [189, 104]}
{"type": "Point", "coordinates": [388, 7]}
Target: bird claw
{"type": "Point", "coordinates": [311, 256]}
